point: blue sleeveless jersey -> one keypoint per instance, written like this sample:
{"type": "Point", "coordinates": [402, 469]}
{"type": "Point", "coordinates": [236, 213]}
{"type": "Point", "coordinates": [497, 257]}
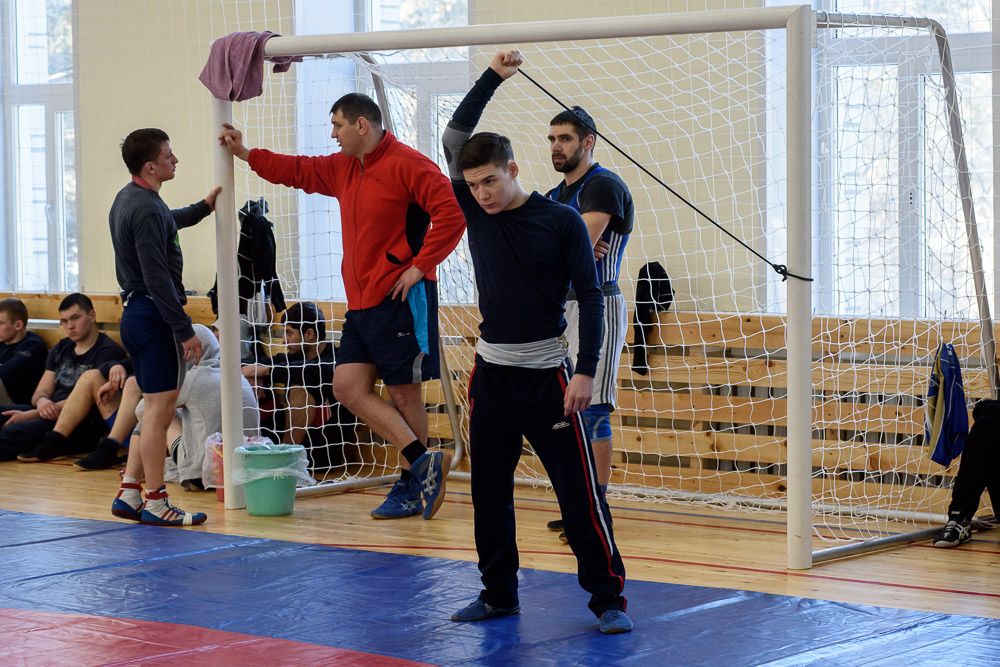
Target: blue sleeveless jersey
{"type": "Point", "coordinates": [609, 266]}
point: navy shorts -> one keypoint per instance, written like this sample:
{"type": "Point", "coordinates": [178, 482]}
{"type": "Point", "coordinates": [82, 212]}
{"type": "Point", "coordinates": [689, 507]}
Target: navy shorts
{"type": "Point", "coordinates": [399, 338]}
{"type": "Point", "coordinates": [157, 358]}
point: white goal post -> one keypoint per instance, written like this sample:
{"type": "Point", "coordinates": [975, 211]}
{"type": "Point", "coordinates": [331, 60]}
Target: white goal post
{"type": "Point", "coordinates": [798, 390]}
{"type": "Point", "coordinates": [799, 22]}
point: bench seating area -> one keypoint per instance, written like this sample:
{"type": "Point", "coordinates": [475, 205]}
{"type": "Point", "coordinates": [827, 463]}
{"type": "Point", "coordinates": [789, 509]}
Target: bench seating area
{"type": "Point", "coordinates": [43, 313]}
{"type": "Point", "coordinates": [709, 416]}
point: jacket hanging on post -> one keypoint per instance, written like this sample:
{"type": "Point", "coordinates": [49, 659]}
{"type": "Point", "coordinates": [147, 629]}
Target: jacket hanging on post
{"type": "Point", "coordinates": [947, 418]}
{"type": "Point", "coordinates": [653, 294]}
{"type": "Point", "coordinates": [256, 258]}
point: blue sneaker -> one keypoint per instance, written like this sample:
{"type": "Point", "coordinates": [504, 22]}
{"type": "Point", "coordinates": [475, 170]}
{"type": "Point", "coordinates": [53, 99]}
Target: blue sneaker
{"type": "Point", "coordinates": [615, 621]}
{"type": "Point", "coordinates": [402, 501]}
{"type": "Point", "coordinates": [477, 610]}
{"type": "Point", "coordinates": [431, 471]}
{"type": "Point", "coordinates": [122, 509]}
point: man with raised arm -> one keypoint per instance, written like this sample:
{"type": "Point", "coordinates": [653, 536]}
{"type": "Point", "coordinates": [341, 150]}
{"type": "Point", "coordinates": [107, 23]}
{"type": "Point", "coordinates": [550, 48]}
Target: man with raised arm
{"type": "Point", "coordinates": [605, 203]}
{"type": "Point", "coordinates": [399, 220]}
{"type": "Point", "coordinates": [156, 331]}
{"type": "Point", "coordinates": [526, 250]}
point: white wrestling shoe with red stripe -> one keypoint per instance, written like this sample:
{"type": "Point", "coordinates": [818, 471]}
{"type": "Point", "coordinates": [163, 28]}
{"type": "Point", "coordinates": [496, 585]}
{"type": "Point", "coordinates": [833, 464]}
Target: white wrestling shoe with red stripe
{"type": "Point", "coordinates": [158, 511]}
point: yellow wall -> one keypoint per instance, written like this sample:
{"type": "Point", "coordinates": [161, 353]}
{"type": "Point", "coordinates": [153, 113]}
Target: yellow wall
{"type": "Point", "coordinates": [660, 100]}
{"type": "Point", "coordinates": [138, 63]}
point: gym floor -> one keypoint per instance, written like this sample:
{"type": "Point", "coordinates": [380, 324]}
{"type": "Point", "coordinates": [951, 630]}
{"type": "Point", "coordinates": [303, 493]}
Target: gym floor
{"type": "Point", "coordinates": [328, 585]}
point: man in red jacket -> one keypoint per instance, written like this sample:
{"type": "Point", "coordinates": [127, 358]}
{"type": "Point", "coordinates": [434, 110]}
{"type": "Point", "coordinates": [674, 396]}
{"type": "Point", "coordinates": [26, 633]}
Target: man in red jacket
{"type": "Point", "coordinates": [399, 221]}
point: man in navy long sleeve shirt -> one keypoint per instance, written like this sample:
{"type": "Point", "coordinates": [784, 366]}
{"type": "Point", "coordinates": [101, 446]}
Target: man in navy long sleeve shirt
{"type": "Point", "coordinates": [155, 329]}
{"type": "Point", "coordinates": [22, 354]}
{"type": "Point", "coordinates": [526, 250]}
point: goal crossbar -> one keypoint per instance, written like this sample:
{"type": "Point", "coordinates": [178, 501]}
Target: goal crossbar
{"type": "Point", "coordinates": [730, 20]}
{"type": "Point", "coordinates": [799, 25]}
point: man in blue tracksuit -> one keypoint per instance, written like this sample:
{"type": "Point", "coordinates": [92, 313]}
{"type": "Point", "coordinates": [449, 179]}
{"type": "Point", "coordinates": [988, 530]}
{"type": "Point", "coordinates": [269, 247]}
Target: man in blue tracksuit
{"type": "Point", "coordinates": [526, 250]}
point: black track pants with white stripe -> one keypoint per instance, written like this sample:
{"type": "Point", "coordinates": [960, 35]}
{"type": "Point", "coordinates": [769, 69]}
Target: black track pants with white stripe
{"type": "Point", "coordinates": [506, 404]}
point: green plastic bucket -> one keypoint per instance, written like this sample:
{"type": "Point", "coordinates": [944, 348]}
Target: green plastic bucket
{"type": "Point", "coordinates": [270, 496]}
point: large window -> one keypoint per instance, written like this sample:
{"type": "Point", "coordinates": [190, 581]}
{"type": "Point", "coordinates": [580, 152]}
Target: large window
{"type": "Point", "coordinates": [880, 251]}
{"type": "Point", "coordinates": [913, 261]}
{"type": "Point", "coordinates": [39, 168]}
{"type": "Point", "coordinates": [413, 112]}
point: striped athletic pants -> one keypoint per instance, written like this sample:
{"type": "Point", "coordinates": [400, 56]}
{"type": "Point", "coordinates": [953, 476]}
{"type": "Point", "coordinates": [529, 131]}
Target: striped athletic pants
{"type": "Point", "coordinates": [507, 404]}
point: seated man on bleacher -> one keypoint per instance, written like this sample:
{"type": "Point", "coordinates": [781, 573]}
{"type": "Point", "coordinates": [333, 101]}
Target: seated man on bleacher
{"type": "Point", "coordinates": [315, 418]}
{"type": "Point", "coordinates": [109, 447]}
{"type": "Point", "coordinates": [86, 399]}
{"type": "Point", "coordinates": [23, 426]}
{"type": "Point", "coordinates": [22, 354]}
{"type": "Point", "coordinates": [199, 406]}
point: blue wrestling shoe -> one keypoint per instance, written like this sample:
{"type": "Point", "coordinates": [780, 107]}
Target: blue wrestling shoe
{"type": "Point", "coordinates": [123, 509]}
{"type": "Point", "coordinates": [402, 501]}
{"type": "Point", "coordinates": [431, 471]}
{"type": "Point", "coordinates": [615, 621]}
{"type": "Point", "coordinates": [477, 610]}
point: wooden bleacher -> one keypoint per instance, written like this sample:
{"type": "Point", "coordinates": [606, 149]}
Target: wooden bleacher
{"type": "Point", "coordinates": [43, 313]}
{"type": "Point", "coordinates": [709, 415]}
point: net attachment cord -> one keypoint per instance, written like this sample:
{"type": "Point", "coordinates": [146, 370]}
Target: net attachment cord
{"type": "Point", "coordinates": [780, 269]}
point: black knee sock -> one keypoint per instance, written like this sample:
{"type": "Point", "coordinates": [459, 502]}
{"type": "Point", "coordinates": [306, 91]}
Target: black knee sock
{"type": "Point", "coordinates": [406, 475]}
{"type": "Point", "coordinates": [413, 451]}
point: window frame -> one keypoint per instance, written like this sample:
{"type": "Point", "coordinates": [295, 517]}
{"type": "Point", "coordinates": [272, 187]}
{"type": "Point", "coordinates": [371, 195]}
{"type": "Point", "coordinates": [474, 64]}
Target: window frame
{"type": "Point", "coordinates": [55, 98]}
{"type": "Point", "coordinates": [439, 78]}
{"type": "Point", "coordinates": [971, 53]}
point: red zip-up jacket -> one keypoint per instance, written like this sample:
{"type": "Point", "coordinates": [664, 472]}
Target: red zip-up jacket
{"type": "Point", "coordinates": [386, 206]}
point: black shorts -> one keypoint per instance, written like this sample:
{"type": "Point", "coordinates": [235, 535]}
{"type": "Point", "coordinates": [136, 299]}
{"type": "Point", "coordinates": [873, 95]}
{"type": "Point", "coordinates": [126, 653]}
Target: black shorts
{"type": "Point", "coordinates": [399, 338]}
{"type": "Point", "coordinates": [157, 358]}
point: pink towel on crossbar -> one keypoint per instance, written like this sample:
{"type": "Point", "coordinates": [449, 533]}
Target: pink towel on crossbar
{"type": "Point", "coordinates": [235, 67]}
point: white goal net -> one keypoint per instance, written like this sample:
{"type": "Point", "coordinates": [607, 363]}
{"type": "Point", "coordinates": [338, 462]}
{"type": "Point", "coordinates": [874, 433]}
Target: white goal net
{"type": "Point", "coordinates": [704, 419]}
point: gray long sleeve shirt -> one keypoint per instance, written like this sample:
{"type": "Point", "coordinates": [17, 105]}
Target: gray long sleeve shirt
{"type": "Point", "coordinates": [148, 257]}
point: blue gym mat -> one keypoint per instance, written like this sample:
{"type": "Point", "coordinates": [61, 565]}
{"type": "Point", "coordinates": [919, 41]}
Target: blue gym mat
{"type": "Point", "coordinates": [398, 605]}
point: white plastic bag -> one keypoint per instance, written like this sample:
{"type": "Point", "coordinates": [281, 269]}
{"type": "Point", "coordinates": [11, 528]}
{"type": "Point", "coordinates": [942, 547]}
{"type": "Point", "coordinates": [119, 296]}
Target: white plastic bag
{"type": "Point", "coordinates": [211, 465]}
{"type": "Point", "coordinates": [270, 461]}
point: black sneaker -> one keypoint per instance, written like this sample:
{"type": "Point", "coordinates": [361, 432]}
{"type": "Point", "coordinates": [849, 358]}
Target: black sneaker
{"type": "Point", "coordinates": [102, 458]}
{"type": "Point", "coordinates": [193, 484]}
{"type": "Point", "coordinates": [52, 447]}
{"type": "Point", "coordinates": [477, 610]}
{"type": "Point", "coordinates": [555, 526]}
{"type": "Point", "coordinates": [955, 532]}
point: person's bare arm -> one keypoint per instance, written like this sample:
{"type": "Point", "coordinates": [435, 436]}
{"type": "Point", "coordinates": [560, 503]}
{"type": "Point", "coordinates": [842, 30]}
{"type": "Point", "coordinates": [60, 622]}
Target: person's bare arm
{"type": "Point", "coordinates": [596, 223]}
{"type": "Point", "coordinates": [44, 405]}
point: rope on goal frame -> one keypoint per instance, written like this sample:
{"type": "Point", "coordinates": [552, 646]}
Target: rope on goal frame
{"type": "Point", "coordinates": [780, 269]}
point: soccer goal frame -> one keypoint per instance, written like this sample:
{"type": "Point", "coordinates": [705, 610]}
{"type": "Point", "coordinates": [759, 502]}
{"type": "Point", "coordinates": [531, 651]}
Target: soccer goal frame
{"type": "Point", "coordinates": [799, 24]}
{"type": "Point", "coordinates": [826, 20]}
